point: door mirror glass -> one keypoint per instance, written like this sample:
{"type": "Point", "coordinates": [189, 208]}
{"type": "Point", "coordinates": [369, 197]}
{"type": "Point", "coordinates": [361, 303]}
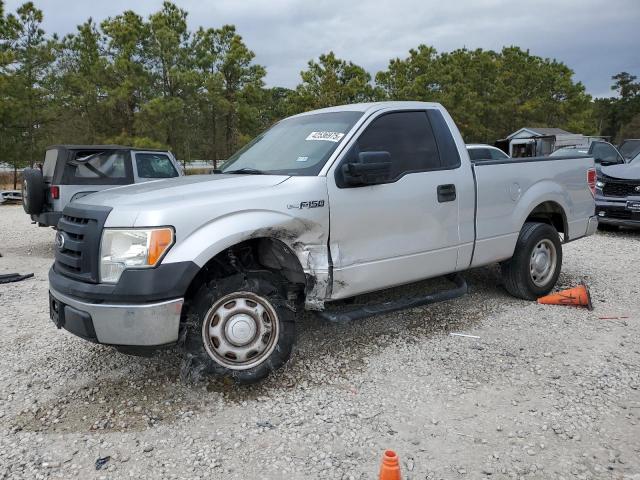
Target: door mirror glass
{"type": "Point", "coordinates": [372, 168]}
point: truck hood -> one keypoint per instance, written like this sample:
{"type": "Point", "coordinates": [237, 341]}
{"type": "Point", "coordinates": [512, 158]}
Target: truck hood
{"type": "Point", "coordinates": [629, 171]}
{"type": "Point", "coordinates": [180, 189]}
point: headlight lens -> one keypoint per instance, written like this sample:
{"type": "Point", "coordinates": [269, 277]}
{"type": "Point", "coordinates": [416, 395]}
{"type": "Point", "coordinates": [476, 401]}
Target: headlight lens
{"type": "Point", "coordinates": [599, 184]}
{"type": "Point", "coordinates": [135, 248]}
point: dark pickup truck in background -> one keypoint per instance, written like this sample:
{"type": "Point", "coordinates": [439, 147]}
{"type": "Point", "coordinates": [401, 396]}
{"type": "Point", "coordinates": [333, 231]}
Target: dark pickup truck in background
{"type": "Point", "coordinates": [618, 195]}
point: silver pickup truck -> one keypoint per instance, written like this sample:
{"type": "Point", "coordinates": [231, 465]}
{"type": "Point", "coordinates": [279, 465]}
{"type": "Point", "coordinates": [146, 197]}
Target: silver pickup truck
{"type": "Point", "coordinates": [324, 206]}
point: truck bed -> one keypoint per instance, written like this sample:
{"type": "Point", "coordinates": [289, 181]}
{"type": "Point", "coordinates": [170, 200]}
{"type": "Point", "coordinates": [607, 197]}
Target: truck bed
{"type": "Point", "coordinates": [508, 190]}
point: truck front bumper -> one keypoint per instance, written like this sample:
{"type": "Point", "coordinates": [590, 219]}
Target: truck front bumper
{"type": "Point", "coordinates": [143, 325]}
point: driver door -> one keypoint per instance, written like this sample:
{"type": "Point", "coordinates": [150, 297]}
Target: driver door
{"type": "Point", "coordinates": [407, 228]}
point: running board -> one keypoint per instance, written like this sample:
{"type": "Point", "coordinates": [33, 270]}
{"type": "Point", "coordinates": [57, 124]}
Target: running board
{"type": "Point", "coordinates": [342, 316]}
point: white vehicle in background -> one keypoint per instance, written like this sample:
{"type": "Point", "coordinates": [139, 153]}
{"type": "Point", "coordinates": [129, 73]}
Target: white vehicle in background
{"type": "Point", "coordinates": [324, 206]}
{"type": "Point", "coordinates": [482, 152]}
{"type": "Point", "coordinates": [70, 172]}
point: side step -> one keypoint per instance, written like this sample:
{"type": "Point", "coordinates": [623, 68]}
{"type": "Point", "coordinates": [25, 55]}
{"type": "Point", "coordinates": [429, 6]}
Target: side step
{"type": "Point", "coordinates": [341, 316]}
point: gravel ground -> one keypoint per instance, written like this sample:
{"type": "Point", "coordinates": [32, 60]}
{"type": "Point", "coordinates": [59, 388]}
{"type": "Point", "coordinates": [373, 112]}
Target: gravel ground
{"type": "Point", "coordinates": [544, 392]}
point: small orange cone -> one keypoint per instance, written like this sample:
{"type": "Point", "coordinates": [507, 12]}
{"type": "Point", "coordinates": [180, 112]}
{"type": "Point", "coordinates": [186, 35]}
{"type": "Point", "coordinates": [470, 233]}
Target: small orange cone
{"type": "Point", "coordinates": [577, 297]}
{"type": "Point", "coordinates": [390, 467]}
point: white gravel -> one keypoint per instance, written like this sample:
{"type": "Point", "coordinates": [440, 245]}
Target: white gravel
{"type": "Point", "coordinates": [545, 392]}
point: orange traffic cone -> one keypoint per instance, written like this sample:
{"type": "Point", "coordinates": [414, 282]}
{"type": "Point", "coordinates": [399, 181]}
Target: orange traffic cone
{"type": "Point", "coordinates": [390, 467]}
{"type": "Point", "coordinates": [577, 297]}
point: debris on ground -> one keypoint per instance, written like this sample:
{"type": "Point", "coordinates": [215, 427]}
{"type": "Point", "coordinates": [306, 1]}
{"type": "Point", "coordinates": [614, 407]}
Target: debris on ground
{"type": "Point", "coordinates": [10, 196]}
{"type": "Point", "coordinates": [14, 277]}
{"type": "Point", "coordinates": [101, 462]}
{"type": "Point", "coordinates": [463, 335]}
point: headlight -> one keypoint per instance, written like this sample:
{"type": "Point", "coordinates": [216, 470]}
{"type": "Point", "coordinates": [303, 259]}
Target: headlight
{"type": "Point", "coordinates": [136, 248]}
{"type": "Point", "coordinates": [600, 184]}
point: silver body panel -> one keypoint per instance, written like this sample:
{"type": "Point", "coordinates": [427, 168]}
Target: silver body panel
{"type": "Point", "coordinates": [362, 239]}
{"type": "Point", "coordinates": [149, 324]}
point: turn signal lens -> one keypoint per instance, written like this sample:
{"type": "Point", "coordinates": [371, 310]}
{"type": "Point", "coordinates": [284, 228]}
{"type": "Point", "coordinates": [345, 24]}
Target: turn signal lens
{"type": "Point", "coordinates": [591, 180]}
{"type": "Point", "coordinates": [161, 240]}
{"type": "Point", "coordinates": [55, 192]}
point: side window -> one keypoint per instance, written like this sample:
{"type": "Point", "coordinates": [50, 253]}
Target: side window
{"type": "Point", "coordinates": [154, 165]}
{"type": "Point", "coordinates": [603, 152]}
{"type": "Point", "coordinates": [408, 138]}
{"type": "Point", "coordinates": [91, 167]}
{"type": "Point", "coordinates": [476, 154]}
{"type": "Point", "coordinates": [497, 154]}
{"type": "Point", "coordinates": [49, 167]}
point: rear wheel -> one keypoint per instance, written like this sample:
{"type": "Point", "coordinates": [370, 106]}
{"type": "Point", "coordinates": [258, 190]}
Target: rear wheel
{"type": "Point", "coordinates": [536, 263]}
{"type": "Point", "coordinates": [32, 190]}
{"type": "Point", "coordinates": [240, 327]}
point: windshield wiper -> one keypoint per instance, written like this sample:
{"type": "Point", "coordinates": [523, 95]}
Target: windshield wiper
{"type": "Point", "coordinates": [248, 171]}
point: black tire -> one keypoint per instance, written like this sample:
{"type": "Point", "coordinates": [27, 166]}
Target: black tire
{"type": "Point", "coordinates": [605, 227]}
{"type": "Point", "coordinates": [201, 351]}
{"type": "Point", "coordinates": [519, 279]}
{"type": "Point", "coordinates": [32, 190]}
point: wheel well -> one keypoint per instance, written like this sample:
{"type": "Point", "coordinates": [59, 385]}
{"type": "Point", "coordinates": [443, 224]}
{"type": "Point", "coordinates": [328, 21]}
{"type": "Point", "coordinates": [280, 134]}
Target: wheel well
{"type": "Point", "coordinates": [252, 255]}
{"type": "Point", "coordinates": [551, 213]}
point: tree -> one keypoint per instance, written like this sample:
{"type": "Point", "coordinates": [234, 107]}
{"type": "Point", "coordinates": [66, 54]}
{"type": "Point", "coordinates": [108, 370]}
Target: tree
{"type": "Point", "coordinates": [332, 81]}
{"type": "Point", "coordinates": [27, 55]}
{"type": "Point", "coordinates": [166, 116]}
{"type": "Point", "coordinates": [490, 94]}
{"type": "Point", "coordinates": [129, 80]}
{"type": "Point", "coordinates": [241, 81]}
{"type": "Point", "coordinates": [83, 115]}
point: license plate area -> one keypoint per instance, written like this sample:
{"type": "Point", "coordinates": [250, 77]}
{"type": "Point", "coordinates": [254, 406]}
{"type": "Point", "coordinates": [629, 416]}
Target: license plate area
{"type": "Point", "coordinates": [633, 205]}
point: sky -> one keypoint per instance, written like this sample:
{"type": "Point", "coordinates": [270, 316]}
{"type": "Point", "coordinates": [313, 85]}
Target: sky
{"type": "Point", "coordinates": [595, 38]}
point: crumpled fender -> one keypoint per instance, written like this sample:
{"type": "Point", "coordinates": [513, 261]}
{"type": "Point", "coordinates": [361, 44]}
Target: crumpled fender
{"type": "Point", "coordinates": [304, 237]}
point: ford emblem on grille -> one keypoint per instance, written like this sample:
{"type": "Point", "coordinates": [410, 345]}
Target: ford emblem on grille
{"type": "Point", "coordinates": [60, 240]}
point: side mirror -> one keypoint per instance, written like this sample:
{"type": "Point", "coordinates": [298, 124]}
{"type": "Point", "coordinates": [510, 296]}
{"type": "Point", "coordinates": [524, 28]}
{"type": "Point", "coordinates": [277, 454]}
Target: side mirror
{"type": "Point", "coordinates": [372, 168]}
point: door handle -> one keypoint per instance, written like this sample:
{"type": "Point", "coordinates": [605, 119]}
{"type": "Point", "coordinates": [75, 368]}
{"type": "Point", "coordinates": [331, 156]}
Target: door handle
{"type": "Point", "coordinates": [446, 193]}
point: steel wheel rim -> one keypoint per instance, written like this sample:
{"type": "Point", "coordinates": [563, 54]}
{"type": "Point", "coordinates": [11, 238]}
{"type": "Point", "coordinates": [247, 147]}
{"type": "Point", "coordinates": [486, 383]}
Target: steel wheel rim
{"type": "Point", "coordinates": [542, 263]}
{"type": "Point", "coordinates": [240, 330]}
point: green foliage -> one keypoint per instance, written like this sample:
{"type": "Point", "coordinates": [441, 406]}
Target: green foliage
{"type": "Point", "coordinates": [331, 81]}
{"type": "Point", "coordinates": [491, 94]}
{"type": "Point", "coordinates": [618, 117]}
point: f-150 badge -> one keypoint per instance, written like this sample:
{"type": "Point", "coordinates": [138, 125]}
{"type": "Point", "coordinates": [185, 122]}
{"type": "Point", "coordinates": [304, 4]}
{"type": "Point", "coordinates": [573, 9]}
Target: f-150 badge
{"type": "Point", "coordinates": [309, 204]}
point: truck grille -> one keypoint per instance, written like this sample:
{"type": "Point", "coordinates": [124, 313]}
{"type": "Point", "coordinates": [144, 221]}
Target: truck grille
{"type": "Point", "coordinates": [620, 189]}
{"type": "Point", "coordinates": [78, 242]}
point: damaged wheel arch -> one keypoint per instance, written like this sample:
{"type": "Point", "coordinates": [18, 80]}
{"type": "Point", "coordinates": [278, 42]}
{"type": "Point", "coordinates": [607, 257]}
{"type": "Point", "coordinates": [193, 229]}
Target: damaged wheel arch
{"type": "Point", "coordinates": [307, 285]}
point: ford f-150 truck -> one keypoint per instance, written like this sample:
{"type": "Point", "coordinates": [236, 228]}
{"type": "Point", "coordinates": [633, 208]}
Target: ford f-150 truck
{"type": "Point", "coordinates": [323, 206]}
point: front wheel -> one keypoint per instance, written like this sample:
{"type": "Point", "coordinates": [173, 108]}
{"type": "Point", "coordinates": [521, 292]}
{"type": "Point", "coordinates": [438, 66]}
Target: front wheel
{"type": "Point", "coordinates": [535, 266]}
{"type": "Point", "coordinates": [240, 327]}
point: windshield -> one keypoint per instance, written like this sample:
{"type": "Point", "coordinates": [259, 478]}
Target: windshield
{"type": "Point", "coordinates": [568, 152]}
{"type": "Point", "coordinates": [630, 148]}
{"type": "Point", "coordinates": [294, 146]}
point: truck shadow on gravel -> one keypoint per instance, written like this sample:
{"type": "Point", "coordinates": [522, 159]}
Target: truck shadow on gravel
{"type": "Point", "coordinates": [140, 393]}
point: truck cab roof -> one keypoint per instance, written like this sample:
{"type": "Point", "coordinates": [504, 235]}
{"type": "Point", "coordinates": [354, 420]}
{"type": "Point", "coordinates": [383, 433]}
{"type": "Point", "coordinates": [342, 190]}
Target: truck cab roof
{"type": "Point", "coordinates": [374, 106]}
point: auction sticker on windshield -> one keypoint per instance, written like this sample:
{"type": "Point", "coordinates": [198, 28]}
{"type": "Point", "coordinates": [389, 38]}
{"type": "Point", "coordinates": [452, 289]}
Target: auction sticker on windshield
{"type": "Point", "coordinates": [328, 136]}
